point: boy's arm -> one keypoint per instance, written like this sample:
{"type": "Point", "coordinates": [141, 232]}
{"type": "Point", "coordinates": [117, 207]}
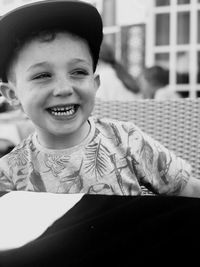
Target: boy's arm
{"type": "Point", "coordinates": [192, 188]}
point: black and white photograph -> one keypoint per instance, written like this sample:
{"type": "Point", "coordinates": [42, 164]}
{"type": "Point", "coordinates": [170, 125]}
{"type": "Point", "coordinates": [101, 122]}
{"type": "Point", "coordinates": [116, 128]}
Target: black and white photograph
{"type": "Point", "coordinates": [99, 133]}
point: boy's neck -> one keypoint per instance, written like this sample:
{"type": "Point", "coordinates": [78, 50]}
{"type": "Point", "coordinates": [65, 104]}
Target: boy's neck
{"type": "Point", "coordinates": [63, 141]}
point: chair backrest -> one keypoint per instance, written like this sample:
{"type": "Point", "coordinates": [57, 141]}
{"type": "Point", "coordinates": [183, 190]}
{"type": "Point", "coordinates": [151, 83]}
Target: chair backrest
{"type": "Point", "coordinates": [175, 123]}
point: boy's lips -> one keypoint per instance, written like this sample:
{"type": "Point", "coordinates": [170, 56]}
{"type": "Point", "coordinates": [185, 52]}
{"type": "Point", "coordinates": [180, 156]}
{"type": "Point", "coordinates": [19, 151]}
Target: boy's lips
{"type": "Point", "coordinates": [63, 110]}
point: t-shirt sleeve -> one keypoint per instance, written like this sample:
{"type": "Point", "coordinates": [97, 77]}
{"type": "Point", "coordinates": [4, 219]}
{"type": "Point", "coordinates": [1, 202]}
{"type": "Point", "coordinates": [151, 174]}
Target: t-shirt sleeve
{"type": "Point", "coordinates": [6, 183]}
{"type": "Point", "coordinates": [158, 168]}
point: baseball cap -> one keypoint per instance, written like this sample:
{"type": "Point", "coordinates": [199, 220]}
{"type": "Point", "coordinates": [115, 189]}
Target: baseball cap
{"type": "Point", "coordinates": [77, 17]}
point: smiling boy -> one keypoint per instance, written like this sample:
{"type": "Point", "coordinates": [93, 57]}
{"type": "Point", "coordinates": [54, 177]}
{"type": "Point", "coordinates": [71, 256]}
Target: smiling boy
{"type": "Point", "coordinates": [61, 106]}
{"type": "Point", "coordinates": [48, 69]}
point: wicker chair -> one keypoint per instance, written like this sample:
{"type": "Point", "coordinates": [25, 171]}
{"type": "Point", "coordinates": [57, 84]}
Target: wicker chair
{"type": "Point", "coordinates": [175, 123]}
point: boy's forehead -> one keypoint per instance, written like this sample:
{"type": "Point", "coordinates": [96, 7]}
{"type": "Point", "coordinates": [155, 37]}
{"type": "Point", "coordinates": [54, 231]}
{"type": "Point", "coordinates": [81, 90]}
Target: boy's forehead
{"type": "Point", "coordinates": [63, 48]}
{"type": "Point", "coordinates": [60, 41]}
{"type": "Point", "coordinates": [47, 36]}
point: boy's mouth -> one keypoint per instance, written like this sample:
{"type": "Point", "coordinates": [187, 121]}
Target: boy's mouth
{"type": "Point", "coordinates": [65, 110]}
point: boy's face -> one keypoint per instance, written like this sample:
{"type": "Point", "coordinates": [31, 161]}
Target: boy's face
{"type": "Point", "coordinates": [56, 86]}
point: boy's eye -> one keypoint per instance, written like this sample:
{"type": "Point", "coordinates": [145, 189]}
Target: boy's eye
{"type": "Point", "coordinates": [79, 73]}
{"type": "Point", "coordinates": [44, 75]}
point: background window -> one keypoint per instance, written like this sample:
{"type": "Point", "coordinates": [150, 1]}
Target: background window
{"type": "Point", "coordinates": [182, 71]}
{"type": "Point", "coordinates": [183, 28]}
{"type": "Point", "coordinates": [198, 26]}
{"type": "Point", "coordinates": [162, 59]}
{"type": "Point", "coordinates": [182, 2]}
{"type": "Point", "coordinates": [198, 67]}
{"type": "Point", "coordinates": [162, 29]}
{"type": "Point", "coordinates": [162, 2]}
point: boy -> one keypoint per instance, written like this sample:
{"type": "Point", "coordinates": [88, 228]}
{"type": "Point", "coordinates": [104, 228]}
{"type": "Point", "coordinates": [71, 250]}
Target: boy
{"type": "Point", "coordinates": [48, 56]}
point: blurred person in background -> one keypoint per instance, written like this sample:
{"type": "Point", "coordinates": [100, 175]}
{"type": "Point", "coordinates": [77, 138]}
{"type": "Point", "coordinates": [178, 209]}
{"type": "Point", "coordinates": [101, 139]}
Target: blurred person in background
{"type": "Point", "coordinates": [154, 83]}
{"type": "Point", "coordinates": [116, 83]}
{"type": "Point", "coordinates": [14, 126]}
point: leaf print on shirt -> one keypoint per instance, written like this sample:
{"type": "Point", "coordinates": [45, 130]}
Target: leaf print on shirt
{"type": "Point", "coordinates": [117, 173]}
{"type": "Point", "coordinates": [96, 161]}
{"type": "Point", "coordinates": [36, 180]}
{"type": "Point", "coordinates": [5, 182]}
{"type": "Point", "coordinates": [129, 131]}
{"type": "Point", "coordinates": [131, 162]}
{"type": "Point", "coordinates": [97, 132]}
{"type": "Point", "coordinates": [180, 180]}
{"type": "Point", "coordinates": [130, 188]}
{"type": "Point", "coordinates": [163, 166]}
{"type": "Point", "coordinates": [117, 136]}
{"type": "Point", "coordinates": [18, 157]}
{"type": "Point", "coordinates": [72, 183]}
{"type": "Point", "coordinates": [147, 156]}
{"type": "Point", "coordinates": [56, 163]}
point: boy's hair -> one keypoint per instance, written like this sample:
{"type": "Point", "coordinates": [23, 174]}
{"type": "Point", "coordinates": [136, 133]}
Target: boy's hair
{"type": "Point", "coordinates": [21, 24]}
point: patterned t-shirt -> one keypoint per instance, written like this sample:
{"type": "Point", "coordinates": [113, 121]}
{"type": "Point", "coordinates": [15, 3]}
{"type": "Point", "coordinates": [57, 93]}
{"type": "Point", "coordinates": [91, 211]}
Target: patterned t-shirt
{"type": "Point", "coordinates": [115, 158]}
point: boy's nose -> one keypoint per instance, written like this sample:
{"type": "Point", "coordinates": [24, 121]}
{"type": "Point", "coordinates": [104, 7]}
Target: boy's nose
{"type": "Point", "coordinates": [63, 87]}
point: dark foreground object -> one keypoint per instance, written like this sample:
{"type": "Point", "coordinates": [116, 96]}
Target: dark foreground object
{"type": "Point", "coordinates": [117, 231]}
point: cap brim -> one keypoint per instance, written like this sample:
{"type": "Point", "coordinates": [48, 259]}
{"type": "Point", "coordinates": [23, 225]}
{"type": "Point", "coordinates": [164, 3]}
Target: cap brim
{"type": "Point", "coordinates": [77, 17]}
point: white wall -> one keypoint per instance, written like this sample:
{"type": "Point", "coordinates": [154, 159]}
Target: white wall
{"type": "Point", "coordinates": [132, 11]}
{"type": "Point", "coordinates": [7, 5]}
{"type": "Point", "coordinates": [128, 11]}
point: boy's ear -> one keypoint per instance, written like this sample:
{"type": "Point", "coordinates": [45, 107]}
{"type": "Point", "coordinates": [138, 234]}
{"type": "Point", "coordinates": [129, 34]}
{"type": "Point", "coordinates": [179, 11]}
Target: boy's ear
{"type": "Point", "coordinates": [97, 81]}
{"type": "Point", "coordinates": [8, 91]}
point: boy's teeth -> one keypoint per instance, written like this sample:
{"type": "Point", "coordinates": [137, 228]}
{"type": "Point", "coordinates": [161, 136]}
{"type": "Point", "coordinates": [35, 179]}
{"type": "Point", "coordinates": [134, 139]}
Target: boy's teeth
{"type": "Point", "coordinates": [62, 108]}
{"type": "Point", "coordinates": [60, 111]}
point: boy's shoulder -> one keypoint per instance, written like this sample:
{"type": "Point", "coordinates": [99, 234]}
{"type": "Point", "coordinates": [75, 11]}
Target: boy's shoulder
{"type": "Point", "coordinates": [21, 148]}
{"type": "Point", "coordinates": [108, 122]}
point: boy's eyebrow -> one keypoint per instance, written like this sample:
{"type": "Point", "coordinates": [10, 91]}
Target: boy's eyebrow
{"type": "Point", "coordinates": [77, 60]}
{"type": "Point", "coordinates": [40, 64]}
